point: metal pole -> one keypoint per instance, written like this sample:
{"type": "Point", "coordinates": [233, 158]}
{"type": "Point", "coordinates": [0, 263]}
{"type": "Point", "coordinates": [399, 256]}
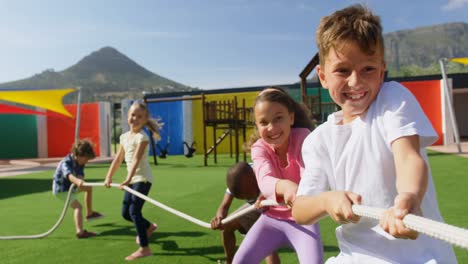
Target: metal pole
{"type": "Point", "coordinates": [78, 112]}
{"type": "Point", "coordinates": [448, 98]}
{"type": "Point", "coordinates": [114, 122]}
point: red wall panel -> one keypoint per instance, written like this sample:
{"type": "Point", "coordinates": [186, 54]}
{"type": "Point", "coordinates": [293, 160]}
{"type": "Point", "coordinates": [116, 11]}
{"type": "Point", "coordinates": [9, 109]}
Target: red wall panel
{"type": "Point", "coordinates": [429, 95]}
{"type": "Point", "coordinates": [61, 129]}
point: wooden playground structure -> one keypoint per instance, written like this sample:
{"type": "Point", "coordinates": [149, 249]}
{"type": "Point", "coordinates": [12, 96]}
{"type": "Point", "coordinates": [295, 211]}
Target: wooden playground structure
{"type": "Point", "coordinates": [231, 119]}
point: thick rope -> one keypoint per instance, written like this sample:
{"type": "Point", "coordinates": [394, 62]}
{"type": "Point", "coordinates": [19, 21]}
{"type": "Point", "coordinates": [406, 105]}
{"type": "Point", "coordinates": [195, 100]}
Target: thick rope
{"type": "Point", "coordinates": [454, 235]}
{"type": "Point", "coordinates": [144, 197]}
{"type": "Point", "coordinates": [247, 210]}
{"type": "Point", "coordinates": [184, 215]}
{"type": "Point", "coordinates": [445, 232]}
{"type": "Point", "coordinates": [156, 203]}
{"type": "Point", "coordinates": [57, 224]}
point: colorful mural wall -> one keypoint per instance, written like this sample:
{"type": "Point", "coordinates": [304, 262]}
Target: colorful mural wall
{"type": "Point", "coordinates": [52, 135]}
{"type": "Point", "coordinates": [185, 118]}
{"type": "Point", "coordinates": [94, 125]}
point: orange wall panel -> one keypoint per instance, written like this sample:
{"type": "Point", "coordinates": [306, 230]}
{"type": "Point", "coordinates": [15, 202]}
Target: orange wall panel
{"type": "Point", "coordinates": [61, 129]}
{"type": "Point", "coordinates": [429, 95]}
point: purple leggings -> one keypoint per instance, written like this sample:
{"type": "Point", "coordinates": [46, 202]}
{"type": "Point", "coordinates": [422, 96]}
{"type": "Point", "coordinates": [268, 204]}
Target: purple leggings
{"type": "Point", "coordinates": [269, 234]}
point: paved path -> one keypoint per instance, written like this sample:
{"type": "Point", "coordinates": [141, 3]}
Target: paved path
{"type": "Point", "coordinates": [452, 149]}
{"type": "Point", "coordinates": [25, 166]}
{"type": "Point", "coordinates": [18, 167]}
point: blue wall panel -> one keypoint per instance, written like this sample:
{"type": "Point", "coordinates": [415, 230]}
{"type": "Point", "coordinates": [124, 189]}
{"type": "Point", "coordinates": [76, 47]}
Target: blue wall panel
{"type": "Point", "coordinates": [171, 115]}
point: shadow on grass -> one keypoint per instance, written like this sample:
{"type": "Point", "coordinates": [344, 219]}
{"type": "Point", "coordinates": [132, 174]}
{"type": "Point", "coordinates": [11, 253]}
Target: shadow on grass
{"type": "Point", "coordinates": [11, 187]}
{"type": "Point", "coordinates": [171, 248]}
{"type": "Point", "coordinates": [163, 239]}
{"type": "Point", "coordinates": [116, 230]}
{"type": "Point", "coordinates": [331, 249]}
{"type": "Point", "coordinates": [129, 230]}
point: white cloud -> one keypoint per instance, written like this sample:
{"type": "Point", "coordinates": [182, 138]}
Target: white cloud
{"type": "Point", "coordinates": [454, 4]}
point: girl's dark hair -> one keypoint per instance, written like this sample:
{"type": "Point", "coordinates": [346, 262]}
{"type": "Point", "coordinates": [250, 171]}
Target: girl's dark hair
{"type": "Point", "coordinates": [83, 148]}
{"type": "Point", "coordinates": [278, 95]}
{"type": "Point", "coordinates": [152, 124]}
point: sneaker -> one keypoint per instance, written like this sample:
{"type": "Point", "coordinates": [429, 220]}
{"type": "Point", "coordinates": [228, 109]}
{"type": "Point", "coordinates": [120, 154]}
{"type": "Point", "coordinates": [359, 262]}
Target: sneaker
{"type": "Point", "coordinates": [85, 234]}
{"type": "Point", "coordinates": [149, 232]}
{"type": "Point", "coordinates": [94, 216]}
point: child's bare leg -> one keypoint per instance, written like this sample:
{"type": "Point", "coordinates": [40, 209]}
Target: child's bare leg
{"type": "Point", "coordinates": [88, 197]}
{"type": "Point", "coordinates": [229, 245]}
{"type": "Point", "coordinates": [229, 240]}
{"type": "Point", "coordinates": [273, 258]}
{"type": "Point", "coordinates": [77, 216]}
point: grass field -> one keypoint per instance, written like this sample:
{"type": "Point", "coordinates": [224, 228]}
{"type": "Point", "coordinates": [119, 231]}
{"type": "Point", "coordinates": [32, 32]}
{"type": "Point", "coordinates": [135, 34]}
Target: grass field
{"type": "Point", "coordinates": [28, 207]}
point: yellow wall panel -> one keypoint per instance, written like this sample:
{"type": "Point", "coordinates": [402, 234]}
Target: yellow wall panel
{"type": "Point", "coordinates": [224, 146]}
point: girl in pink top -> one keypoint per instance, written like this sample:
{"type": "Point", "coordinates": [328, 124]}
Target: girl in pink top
{"type": "Point", "coordinates": [281, 127]}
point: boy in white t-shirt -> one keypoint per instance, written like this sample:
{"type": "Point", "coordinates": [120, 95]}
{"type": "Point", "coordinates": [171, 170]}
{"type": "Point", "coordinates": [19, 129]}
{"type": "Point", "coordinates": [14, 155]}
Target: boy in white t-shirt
{"type": "Point", "coordinates": [371, 152]}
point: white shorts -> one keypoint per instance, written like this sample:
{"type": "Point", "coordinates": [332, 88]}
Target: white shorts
{"type": "Point", "coordinates": [63, 196]}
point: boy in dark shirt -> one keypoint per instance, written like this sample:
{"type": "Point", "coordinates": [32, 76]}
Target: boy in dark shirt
{"type": "Point", "coordinates": [70, 170]}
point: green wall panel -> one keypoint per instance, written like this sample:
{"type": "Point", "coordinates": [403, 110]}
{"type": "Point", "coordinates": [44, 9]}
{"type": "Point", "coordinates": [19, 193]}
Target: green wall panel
{"type": "Point", "coordinates": [18, 135]}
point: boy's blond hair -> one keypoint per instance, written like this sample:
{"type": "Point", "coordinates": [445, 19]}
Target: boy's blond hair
{"type": "Point", "coordinates": [354, 24]}
{"type": "Point", "coordinates": [83, 148]}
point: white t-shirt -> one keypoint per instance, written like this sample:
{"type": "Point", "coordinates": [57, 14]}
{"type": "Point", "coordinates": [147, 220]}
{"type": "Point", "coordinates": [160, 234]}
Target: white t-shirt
{"type": "Point", "coordinates": [357, 157]}
{"type": "Point", "coordinates": [130, 142]}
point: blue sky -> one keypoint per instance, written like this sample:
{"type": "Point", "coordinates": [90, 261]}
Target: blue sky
{"type": "Point", "coordinates": [201, 43]}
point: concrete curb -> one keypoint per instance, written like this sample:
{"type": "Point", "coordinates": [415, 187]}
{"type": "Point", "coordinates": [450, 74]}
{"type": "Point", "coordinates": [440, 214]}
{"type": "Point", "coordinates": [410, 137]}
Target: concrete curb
{"type": "Point", "coordinates": [24, 166]}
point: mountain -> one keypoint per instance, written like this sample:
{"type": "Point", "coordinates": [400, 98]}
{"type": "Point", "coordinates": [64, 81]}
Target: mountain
{"type": "Point", "coordinates": [108, 75]}
{"type": "Point", "coordinates": [410, 51]}
{"type": "Point", "coordinates": [103, 75]}
{"type": "Point", "coordinates": [417, 52]}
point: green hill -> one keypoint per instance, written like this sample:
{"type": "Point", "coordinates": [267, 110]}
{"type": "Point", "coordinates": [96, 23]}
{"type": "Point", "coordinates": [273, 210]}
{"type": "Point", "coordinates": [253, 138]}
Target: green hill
{"type": "Point", "coordinates": [417, 51]}
{"type": "Point", "coordinates": [104, 75]}
{"type": "Point", "coordinates": [108, 75]}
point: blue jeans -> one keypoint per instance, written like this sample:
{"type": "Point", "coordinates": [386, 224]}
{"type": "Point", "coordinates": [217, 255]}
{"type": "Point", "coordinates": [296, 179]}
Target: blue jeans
{"type": "Point", "coordinates": [131, 210]}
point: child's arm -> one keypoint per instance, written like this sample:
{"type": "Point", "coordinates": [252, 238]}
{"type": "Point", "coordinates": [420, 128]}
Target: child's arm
{"type": "Point", "coordinates": [139, 152]}
{"type": "Point", "coordinates": [76, 180]}
{"type": "Point", "coordinates": [411, 184]}
{"type": "Point", "coordinates": [309, 209]}
{"type": "Point", "coordinates": [222, 212]}
{"type": "Point", "coordinates": [265, 174]}
{"type": "Point", "coordinates": [114, 166]}
{"type": "Point", "coordinates": [411, 169]}
{"type": "Point", "coordinates": [286, 189]}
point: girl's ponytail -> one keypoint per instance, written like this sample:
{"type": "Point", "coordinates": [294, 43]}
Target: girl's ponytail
{"type": "Point", "coordinates": [152, 124]}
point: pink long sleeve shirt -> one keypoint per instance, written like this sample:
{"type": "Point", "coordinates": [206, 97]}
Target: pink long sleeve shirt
{"type": "Point", "coordinates": [268, 170]}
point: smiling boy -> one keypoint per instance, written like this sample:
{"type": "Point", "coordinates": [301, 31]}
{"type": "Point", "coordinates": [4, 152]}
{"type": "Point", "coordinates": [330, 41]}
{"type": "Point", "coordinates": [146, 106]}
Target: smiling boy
{"type": "Point", "coordinates": [371, 152]}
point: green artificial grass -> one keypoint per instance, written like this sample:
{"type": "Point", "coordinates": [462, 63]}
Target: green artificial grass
{"type": "Point", "coordinates": [27, 207]}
